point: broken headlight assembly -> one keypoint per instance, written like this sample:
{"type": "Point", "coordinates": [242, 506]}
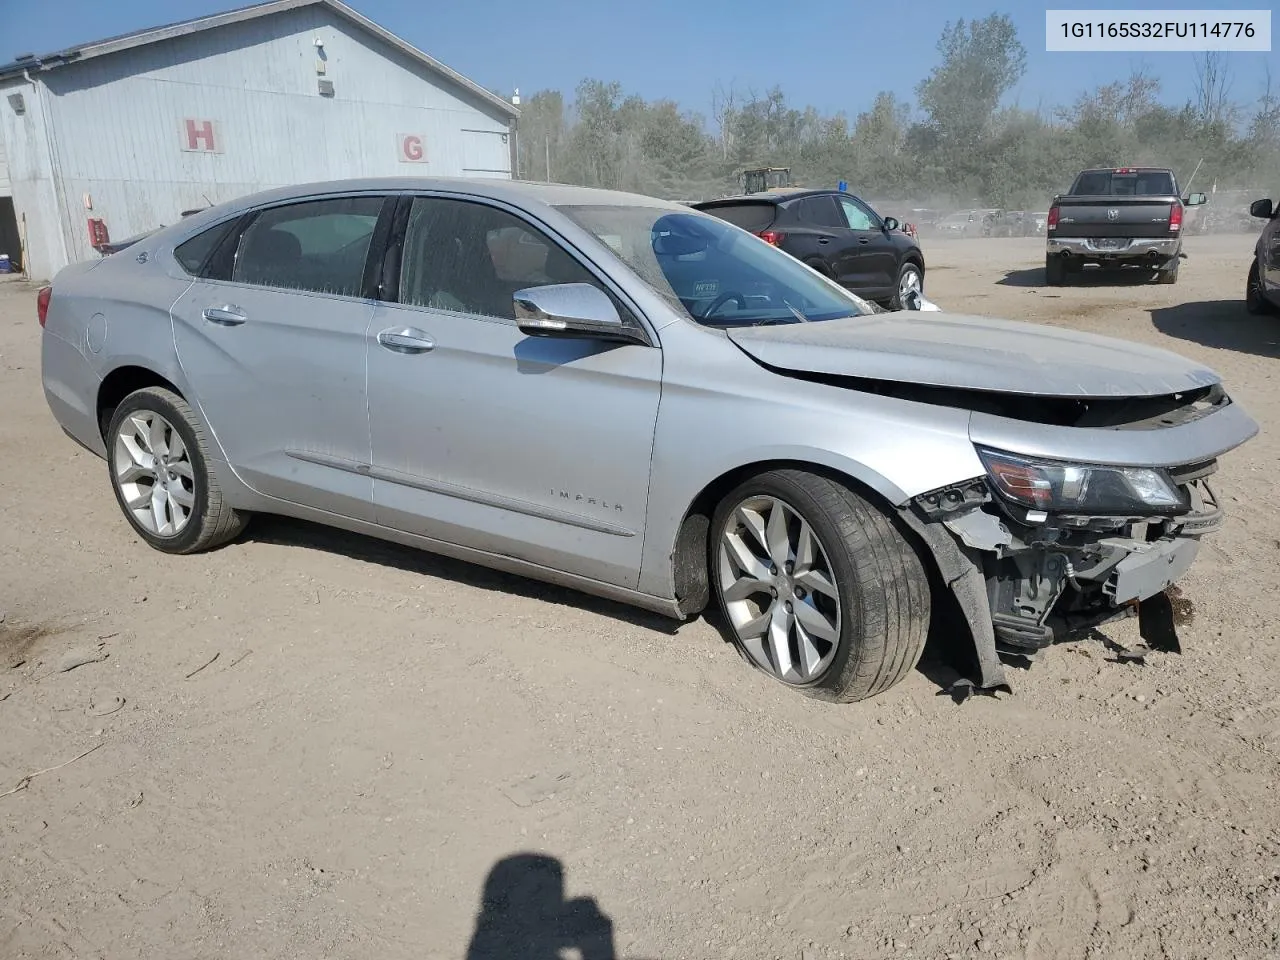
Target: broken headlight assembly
{"type": "Point", "coordinates": [1082, 489]}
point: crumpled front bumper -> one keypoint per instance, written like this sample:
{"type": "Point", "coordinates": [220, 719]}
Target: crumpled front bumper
{"type": "Point", "coordinates": [1022, 588]}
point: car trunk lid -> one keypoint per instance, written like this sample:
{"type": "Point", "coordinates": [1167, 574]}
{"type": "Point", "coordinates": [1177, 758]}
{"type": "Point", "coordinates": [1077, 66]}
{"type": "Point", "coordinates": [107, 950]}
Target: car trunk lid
{"type": "Point", "coordinates": [1146, 217]}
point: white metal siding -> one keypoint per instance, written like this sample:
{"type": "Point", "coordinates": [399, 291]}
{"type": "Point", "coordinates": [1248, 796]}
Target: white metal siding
{"type": "Point", "coordinates": [118, 121]}
{"type": "Point", "coordinates": [5, 189]}
{"type": "Point", "coordinates": [31, 178]}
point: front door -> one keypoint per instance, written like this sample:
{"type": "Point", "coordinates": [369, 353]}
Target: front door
{"type": "Point", "coordinates": [878, 257]}
{"type": "Point", "coordinates": [274, 351]}
{"type": "Point", "coordinates": [529, 447]}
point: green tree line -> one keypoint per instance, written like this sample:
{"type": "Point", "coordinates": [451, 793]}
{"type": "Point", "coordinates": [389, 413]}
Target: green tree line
{"type": "Point", "coordinates": [955, 145]}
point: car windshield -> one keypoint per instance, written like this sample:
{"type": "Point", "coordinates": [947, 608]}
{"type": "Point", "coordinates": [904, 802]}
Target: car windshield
{"type": "Point", "coordinates": [1106, 183]}
{"type": "Point", "coordinates": [713, 272]}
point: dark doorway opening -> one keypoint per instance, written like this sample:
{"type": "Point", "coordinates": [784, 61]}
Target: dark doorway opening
{"type": "Point", "coordinates": [10, 241]}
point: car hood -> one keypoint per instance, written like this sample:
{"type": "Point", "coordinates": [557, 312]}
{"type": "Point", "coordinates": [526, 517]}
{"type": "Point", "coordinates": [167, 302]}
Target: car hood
{"type": "Point", "coordinates": [973, 353]}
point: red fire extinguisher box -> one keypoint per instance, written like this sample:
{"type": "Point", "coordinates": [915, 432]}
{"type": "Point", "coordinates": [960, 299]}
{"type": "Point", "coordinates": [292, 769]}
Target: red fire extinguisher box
{"type": "Point", "coordinates": [98, 237]}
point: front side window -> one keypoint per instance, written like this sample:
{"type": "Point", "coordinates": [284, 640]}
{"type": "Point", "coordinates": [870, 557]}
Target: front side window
{"type": "Point", "coordinates": [472, 258]}
{"type": "Point", "coordinates": [319, 246]}
{"type": "Point", "coordinates": [859, 217]}
{"type": "Point", "coordinates": [713, 272]}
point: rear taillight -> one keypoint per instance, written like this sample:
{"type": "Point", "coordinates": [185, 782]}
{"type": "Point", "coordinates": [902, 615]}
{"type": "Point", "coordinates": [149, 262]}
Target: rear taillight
{"type": "Point", "coordinates": [42, 303]}
{"type": "Point", "coordinates": [1052, 222]}
{"type": "Point", "coordinates": [771, 237]}
{"type": "Point", "coordinates": [1175, 217]}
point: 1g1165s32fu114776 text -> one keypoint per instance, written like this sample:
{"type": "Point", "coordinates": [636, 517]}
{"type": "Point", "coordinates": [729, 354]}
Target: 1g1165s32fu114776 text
{"type": "Point", "coordinates": [1157, 31]}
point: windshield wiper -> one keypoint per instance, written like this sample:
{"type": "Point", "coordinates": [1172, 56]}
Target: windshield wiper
{"type": "Point", "coordinates": [799, 316]}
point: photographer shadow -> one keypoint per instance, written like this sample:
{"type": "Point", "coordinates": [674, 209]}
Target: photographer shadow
{"type": "Point", "coordinates": [525, 916]}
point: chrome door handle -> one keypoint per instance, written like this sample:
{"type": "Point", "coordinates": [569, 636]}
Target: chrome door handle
{"type": "Point", "coordinates": [406, 340]}
{"type": "Point", "coordinates": [227, 315]}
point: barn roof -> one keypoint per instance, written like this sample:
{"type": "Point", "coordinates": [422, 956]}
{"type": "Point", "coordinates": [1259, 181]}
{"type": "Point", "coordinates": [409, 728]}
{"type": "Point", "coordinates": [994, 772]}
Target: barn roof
{"type": "Point", "coordinates": [138, 38]}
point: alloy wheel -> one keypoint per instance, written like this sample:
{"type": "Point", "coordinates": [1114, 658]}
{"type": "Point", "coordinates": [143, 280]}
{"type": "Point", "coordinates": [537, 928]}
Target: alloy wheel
{"type": "Point", "coordinates": [910, 281]}
{"type": "Point", "coordinates": [778, 588]}
{"type": "Point", "coordinates": [153, 473]}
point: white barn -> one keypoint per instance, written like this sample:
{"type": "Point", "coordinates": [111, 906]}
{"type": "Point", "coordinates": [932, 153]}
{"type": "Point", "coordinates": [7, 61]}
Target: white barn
{"type": "Point", "coordinates": [123, 135]}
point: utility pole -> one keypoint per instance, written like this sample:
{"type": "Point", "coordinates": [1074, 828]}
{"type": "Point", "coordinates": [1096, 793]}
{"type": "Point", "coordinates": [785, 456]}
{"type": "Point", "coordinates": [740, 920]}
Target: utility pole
{"type": "Point", "coordinates": [515, 131]}
{"type": "Point", "coordinates": [547, 143]}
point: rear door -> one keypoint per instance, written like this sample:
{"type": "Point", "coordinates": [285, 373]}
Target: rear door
{"type": "Point", "coordinates": [824, 236]}
{"type": "Point", "coordinates": [272, 341]}
{"type": "Point", "coordinates": [878, 257]}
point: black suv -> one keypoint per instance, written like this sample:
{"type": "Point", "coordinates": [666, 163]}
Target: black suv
{"type": "Point", "coordinates": [836, 234]}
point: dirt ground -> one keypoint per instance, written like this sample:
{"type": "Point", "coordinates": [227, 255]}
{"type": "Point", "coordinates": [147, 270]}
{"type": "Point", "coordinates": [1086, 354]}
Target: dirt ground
{"type": "Point", "coordinates": [312, 745]}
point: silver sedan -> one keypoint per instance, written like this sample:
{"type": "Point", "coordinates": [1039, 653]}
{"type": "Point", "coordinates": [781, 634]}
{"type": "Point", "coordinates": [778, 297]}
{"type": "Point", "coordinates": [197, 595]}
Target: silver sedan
{"type": "Point", "coordinates": [632, 398]}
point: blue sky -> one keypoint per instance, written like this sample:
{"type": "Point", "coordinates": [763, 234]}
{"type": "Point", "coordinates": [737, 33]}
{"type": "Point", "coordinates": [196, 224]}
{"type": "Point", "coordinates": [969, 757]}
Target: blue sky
{"type": "Point", "coordinates": [833, 54]}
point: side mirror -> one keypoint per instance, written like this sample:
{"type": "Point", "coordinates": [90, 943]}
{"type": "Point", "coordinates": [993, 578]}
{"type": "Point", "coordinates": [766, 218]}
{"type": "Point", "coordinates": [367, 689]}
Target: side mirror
{"type": "Point", "coordinates": [1262, 209]}
{"type": "Point", "coordinates": [891, 223]}
{"type": "Point", "coordinates": [570, 310]}
{"type": "Point", "coordinates": [1195, 200]}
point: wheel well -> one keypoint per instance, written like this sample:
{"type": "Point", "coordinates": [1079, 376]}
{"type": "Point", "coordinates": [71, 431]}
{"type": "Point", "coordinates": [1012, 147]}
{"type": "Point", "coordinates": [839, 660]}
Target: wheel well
{"type": "Point", "coordinates": [950, 624]}
{"type": "Point", "coordinates": [689, 558]}
{"type": "Point", "coordinates": [121, 382]}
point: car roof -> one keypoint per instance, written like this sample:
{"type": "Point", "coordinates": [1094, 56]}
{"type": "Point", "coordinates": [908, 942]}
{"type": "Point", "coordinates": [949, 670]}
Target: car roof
{"type": "Point", "coordinates": [1130, 169]}
{"type": "Point", "coordinates": [519, 193]}
{"type": "Point", "coordinates": [516, 191]}
{"type": "Point", "coordinates": [775, 196]}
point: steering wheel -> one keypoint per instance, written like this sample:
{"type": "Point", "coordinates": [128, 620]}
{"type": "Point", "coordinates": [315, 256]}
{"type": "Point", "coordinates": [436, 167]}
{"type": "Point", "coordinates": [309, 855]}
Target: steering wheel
{"type": "Point", "coordinates": [721, 300]}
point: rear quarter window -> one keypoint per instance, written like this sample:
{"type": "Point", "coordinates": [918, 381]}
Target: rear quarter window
{"type": "Point", "coordinates": [749, 216]}
{"type": "Point", "coordinates": [192, 255]}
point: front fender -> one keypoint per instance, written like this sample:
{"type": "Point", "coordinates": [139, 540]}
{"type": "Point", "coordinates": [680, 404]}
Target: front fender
{"type": "Point", "coordinates": [723, 413]}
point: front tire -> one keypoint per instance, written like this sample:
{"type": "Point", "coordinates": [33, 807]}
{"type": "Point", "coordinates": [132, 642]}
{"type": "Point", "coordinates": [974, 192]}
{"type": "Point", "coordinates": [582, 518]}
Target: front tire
{"type": "Point", "coordinates": [159, 463]}
{"type": "Point", "coordinates": [910, 277]}
{"type": "Point", "coordinates": [1255, 300]}
{"type": "Point", "coordinates": [819, 588]}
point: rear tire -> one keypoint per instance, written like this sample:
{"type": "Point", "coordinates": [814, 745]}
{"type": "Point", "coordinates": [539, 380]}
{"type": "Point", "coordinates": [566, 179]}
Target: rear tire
{"type": "Point", "coordinates": [158, 458]}
{"type": "Point", "coordinates": [1255, 300]}
{"type": "Point", "coordinates": [850, 565]}
{"type": "Point", "coordinates": [1055, 271]}
{"type": "Point", "coordinates": [1168, 274]}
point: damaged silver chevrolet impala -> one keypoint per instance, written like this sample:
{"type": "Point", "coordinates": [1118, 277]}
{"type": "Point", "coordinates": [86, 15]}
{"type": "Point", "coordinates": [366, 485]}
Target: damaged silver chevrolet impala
{"type": "Point", "coordinates": [641, 401]}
